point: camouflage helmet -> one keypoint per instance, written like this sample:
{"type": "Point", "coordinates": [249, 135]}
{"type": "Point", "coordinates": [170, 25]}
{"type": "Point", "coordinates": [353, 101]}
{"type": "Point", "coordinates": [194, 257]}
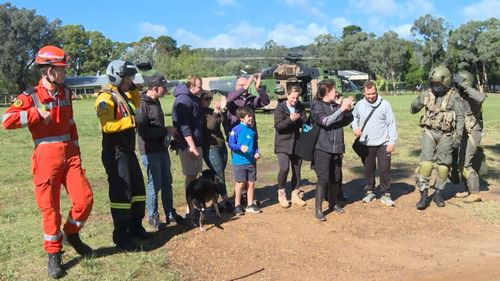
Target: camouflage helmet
{"type": "Point", "coordinates": [440, 74]}
{"type": "Point", "coordinates": [466, 78]}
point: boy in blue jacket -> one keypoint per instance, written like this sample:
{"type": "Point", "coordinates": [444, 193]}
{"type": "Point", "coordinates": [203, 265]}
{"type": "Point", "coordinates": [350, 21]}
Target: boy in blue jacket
{"type": "Point", "coordinates": [245, 153]}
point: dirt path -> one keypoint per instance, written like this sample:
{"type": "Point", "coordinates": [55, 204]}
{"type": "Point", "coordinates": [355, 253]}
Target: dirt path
{"type": "Point", "coordinates": [368, 242]}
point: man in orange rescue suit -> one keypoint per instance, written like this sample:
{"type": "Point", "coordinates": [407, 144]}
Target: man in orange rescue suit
{"type": "Point", "coordinates": [115, 107]}
{"type": "Point", "coordinates": [47, 111]}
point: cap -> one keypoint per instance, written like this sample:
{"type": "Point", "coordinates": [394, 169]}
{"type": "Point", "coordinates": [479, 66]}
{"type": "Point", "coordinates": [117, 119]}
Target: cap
{"type": "Point", "coordinates": [157, 80]}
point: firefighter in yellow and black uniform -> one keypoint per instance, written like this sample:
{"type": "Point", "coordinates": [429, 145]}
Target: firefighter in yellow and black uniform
{"type": "Point", "coordinates": [442, 129]}
{"type": "Point", "coordinates": [115, 107]}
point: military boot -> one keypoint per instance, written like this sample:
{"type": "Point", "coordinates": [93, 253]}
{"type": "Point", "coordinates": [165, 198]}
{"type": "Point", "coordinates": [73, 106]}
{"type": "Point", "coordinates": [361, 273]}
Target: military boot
{"type": "Point", "coordinates": [437, 197]}
{"type": "Point", "coordinates": [81, 248]}
{"type": "Point", "coordinates": [54, 267]}
{"type": "Point", "coordinates": [423, 203]}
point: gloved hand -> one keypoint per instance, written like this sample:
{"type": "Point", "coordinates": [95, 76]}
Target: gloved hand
{"type": "Point", "coordinates": [459, 81]}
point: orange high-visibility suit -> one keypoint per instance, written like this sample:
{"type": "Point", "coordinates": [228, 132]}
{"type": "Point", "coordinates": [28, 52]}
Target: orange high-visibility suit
{"type": "Point", "coordinates": [55, 160]}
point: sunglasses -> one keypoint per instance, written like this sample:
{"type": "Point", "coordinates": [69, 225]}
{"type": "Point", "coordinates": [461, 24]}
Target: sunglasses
{"type": "Point", "coordinates": [207, 99]}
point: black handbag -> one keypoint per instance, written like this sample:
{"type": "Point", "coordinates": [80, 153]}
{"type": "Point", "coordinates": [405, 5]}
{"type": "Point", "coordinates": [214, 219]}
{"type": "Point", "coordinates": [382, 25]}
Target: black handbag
{"type": "Point", "coordinates": [307, 140]}
{"type": "Point", "coordinates": [361, 149]}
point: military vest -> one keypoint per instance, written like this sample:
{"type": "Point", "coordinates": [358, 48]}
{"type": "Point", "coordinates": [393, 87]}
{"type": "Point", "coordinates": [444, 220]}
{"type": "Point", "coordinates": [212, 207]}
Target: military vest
{"type": "Point", "coordinates": [437, 116]}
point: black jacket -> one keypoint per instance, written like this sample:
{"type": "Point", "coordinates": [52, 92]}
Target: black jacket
{"type": "Point", "coordinates": [287, 132]}
{"type": "Point", "coordinates": [331, 137]}
{"type": "Point", "coordinates": [152, 133]}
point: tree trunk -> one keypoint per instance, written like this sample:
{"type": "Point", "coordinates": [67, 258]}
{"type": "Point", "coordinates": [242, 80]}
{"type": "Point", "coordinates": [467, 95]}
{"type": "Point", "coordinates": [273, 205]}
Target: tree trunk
{"type": "Point", "coordinates": [479, 84]}
{"type": "Point", "coordinates": [485, 78]}
{"type": "Point", "coordinates": [393, 84]}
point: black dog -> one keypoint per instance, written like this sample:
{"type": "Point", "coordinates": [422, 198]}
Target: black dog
{"type": "Point", "coordinates": [201, 191]}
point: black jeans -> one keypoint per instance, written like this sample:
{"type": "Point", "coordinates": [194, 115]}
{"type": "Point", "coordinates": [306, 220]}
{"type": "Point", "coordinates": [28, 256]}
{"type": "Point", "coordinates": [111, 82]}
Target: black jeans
{"type": "Point", "coordinates": [284, 161]}
{"type": "Point", "coordinates": [328, 167]}
{"type": "Point", "coordinates": [384, 166]}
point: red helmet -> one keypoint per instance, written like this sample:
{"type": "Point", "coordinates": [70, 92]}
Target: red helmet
{"type": "Point", "coordinates": [51, 55]}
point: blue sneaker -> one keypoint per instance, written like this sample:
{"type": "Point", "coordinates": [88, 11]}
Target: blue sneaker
{"type": "Point", "coordinates": [238, 210]}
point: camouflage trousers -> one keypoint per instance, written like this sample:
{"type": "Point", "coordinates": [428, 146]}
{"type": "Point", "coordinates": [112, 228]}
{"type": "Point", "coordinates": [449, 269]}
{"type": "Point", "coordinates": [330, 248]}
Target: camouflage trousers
{"type": "Point", "coordinates": [437, 147]}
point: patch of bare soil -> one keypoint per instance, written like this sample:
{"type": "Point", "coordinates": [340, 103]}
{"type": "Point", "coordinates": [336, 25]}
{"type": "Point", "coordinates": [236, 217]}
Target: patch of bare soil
{"type": "Point", "coordinates": [368, 242]}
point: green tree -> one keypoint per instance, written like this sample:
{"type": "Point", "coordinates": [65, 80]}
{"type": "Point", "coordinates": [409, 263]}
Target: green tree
{"type": "Point", "coordinates": [23, 33]}
{"type": "Point", "coordinates": [389, 56]}
{"type": "Point", "coordinates": [75, 42]}
{"type": "Point", "coordinates": [434, 32]}
{"type": "Point", "coordinates": [98, 53]}
{"type": "Point", "coordinates": [350, 30]}
{"type": "Point", "coordinates": [166, 44]}
{"type": "Point", "coordinates": [415, 72]}
{"type": "Point", "coordinates": [475, 46]}
{"type": "Point", "coordinates": [142, 50]}
{"type": "Point", "coordinates": [353, 49]}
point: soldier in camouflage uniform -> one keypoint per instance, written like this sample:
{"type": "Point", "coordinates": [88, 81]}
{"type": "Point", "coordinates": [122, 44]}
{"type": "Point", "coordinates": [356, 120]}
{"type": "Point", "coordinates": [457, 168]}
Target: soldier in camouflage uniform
{"type": "Point", "coordinates": [443, 126]}
{"type": "Point", "coordinates": [472, 101]}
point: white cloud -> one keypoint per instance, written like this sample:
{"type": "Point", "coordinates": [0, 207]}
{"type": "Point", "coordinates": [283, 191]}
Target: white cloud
{"type": "Point", "coordinates": [150, 29]}
{"type": "Point", "coordinates": [289, 35]}
{"type": "Point", "coordinates": [227, 2]}
{"type": "Point", "coordinates": [246, 35]}
{"type": "Point", "coordinates": [374, 6]}
{"type": "Point", "coordinates": [417, 7]}
{"type": "Point", "coordinates": [241, 35]}
{"type": "Point", "coordinates": [401, 9]}
{"type": "Point", "coordinates": [339, 23]}
{"type": "Point", "coordinates": [483, 10]}
{"type": "Point", "coordinates": [307, 6]}
{"type": "Point", "coordinates": [188, 38]}
{"type": "Point", "coordinates": [404, 30]}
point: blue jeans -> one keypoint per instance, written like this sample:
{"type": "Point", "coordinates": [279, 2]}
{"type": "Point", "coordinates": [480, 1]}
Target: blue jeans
{"type": "Point", "coordinates": [159, 179]}
{"type": "Point", "coordinates": [216, 160]}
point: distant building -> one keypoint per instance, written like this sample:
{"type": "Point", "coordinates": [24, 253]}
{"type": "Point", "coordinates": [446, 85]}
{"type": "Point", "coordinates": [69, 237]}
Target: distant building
{"type": "Point", "coordinates": [89, 85]}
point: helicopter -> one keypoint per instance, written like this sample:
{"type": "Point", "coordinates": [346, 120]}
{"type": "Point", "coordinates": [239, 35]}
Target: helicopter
{"type": "Point", "coordinates": [278, 79]}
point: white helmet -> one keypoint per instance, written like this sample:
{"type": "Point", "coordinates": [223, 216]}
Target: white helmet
{"type": "Point", "coordinates": [118, 69]}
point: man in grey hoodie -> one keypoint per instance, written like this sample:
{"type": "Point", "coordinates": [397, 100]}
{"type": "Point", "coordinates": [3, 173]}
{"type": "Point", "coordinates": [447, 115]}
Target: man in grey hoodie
{"type": "Point", "coordinates": [379, 135]}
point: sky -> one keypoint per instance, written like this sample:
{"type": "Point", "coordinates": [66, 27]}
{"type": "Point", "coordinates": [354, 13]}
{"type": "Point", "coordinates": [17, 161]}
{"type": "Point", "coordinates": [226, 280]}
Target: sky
{"type": "Point", "coordinates": [251, 23]}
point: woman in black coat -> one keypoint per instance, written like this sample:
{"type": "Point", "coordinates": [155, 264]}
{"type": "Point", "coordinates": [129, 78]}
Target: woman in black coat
{"type": "Point", "coordinates": [289, 117]}
{"type": "Point", "coordinates": [331, 112]}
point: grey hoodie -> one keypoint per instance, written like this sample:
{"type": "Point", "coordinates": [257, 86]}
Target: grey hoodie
{"type": "Point", "coordinates": [381, 128]}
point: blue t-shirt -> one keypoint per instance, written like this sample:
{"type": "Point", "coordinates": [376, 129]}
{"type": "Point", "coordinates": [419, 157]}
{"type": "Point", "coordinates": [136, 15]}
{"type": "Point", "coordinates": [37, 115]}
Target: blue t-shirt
{"type": "Point", "coordinates": [242, 134]}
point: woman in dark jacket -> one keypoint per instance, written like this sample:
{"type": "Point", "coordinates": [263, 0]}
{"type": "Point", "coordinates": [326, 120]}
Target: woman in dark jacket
{"type": "Point", "coordinates": [214, 146]}
{"type": "Point", "coordinates": [331, 112]}
{"type": "Point", "coordinates": [289, 117]}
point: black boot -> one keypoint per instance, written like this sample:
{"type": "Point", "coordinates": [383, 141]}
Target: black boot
{"type": "Point", "coordinates": [318, 210]}
{"type": "Point", "coordinates": [54, 267]}
{"type": "Point", "coordinates": [138, 231]}
{"type": "Point", "coordinates": [333, 190]}
{"type": "Point", "coordinates": [437, 197]}
{"type": "Point", "coordinates": [423, 203]}
{"type": "Point", "coordinates": [340, 195]}
{"type": "Point", "coordinates": [81, 248]}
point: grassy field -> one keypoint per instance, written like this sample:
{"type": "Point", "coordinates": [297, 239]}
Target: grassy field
{"type": "Point", "coordinates": [21, 254]}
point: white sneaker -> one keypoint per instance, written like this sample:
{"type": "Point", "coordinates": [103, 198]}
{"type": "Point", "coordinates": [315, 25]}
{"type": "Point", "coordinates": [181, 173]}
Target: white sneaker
{"type": "Point", "coordinates": [386, 200]}
{"type": "Point", "coordinates": [370, 196]}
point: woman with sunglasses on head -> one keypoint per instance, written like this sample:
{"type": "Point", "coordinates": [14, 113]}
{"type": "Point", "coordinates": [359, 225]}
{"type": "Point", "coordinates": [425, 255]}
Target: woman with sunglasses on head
{"type": "Point", "coordinates": [214, 146]}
